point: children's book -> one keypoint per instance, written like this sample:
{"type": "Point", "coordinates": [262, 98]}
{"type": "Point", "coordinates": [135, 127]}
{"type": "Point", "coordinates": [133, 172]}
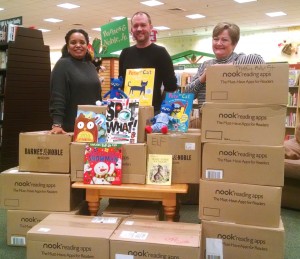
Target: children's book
{"type": "Point", "coordinates": [139, 85]}
{"type": "Point", "coordinates": [90, 127]}
{"type": "Point", "coordinates": [102, 163]}
{"type": "Point", "coordinates": [122, 121]}
{"type": "Point", "coordinates": [183, 106]}
{"type": "Point", "coordinates": [159, 169]}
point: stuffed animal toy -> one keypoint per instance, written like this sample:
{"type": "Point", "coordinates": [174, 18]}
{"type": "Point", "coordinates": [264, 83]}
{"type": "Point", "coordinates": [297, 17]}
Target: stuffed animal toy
{"type": "Point", "coordinates": [160, 121]}
{"type": "Point", "coordinates": [115, 90]}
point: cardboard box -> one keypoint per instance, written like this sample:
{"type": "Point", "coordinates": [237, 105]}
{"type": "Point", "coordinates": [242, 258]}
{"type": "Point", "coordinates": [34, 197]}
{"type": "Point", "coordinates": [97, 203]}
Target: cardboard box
{"type": "Point", "coordinates": [145, 114]}
{"type": "Point", "coordinates": [20, 221]}
{"type": "Point", "coordinates": [251, 164]}
{"type": "Point", "coordinates": [229, 240]}
{"type": "Point", "coordinates": [133, 165]}
{"type": "Point", "coordinates": [250, 124]}
{"type": "Point", "coordinates": [77, 160]}
{"type": "Point", "coordinates": [93, 108]}
{"type": "Point", "coordinates": [71, 236]}
{"type": "Point", "coordinates": [266, 83]}
{"type": "Point", "coordinates": [38, 191]}
{"type": "Point", "coordinates": [156, 239]}
{"type": "Point", "coordinates": [186, 151]}
{"type": "Point", "coordinates": [240, 203]}
{"type": "Point", "coordinates": [41, 151]}
{"type": "Point", "coordinates": [132, 209]}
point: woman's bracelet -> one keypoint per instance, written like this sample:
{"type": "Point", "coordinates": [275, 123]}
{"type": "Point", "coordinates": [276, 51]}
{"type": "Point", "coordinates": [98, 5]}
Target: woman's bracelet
{"type": "Point", "coordinates": [56, 125]}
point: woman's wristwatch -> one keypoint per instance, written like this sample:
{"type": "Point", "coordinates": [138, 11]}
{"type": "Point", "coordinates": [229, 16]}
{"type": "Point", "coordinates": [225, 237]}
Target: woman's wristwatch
{"type": "Point", "coordinates": [56, 125]}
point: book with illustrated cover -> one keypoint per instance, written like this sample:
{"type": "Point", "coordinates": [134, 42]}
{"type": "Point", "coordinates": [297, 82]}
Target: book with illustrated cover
{"type": "Point", "coordinates": [90, 127]}
{"type": "Point", "coordinates": [102, 163]}
{"type": "Point", "coordinates": [139, 85]}
{"type": "Point", "coordinates": [159, 169]}
{"type": "Point", "coordinates": [122, 120]}
{"type": "Point", "coordinates": [293, 77]}
{"type": "Point", "coordinates": [183, 106]}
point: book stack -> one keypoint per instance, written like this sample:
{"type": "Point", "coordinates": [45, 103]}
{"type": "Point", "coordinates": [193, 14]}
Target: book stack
{"type": "Point", "coordinates": [243, 126]}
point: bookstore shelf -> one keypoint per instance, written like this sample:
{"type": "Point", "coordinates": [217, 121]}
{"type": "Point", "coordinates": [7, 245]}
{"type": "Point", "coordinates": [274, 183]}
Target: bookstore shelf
{"type": "Point", "coordinates": [293, 108]}
{"type": "Point", "coordinates": [24, 95]}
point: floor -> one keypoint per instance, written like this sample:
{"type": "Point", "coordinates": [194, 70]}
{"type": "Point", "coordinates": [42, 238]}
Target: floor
{"type": "Point", "coordinates": [188, 213]}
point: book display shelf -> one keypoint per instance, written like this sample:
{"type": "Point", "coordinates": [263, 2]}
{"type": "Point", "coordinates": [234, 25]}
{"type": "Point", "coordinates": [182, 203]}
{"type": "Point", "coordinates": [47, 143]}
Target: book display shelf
{"type": "Point", "coordinates": [24, 97]}
{"type": "Point", "coordinates": [293, 107]}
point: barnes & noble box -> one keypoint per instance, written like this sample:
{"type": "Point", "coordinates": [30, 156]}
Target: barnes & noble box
{"type": "Point", "coordinates": [133, 165]}
{"type": "Point", "coordinates": [41, 151]}
{"type": "Point", "coordinates": [185, 149]}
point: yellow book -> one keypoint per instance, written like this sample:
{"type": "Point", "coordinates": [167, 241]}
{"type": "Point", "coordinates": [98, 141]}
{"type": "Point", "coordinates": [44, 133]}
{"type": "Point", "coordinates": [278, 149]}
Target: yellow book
{"type": "Point", "coordinates": [159, 169]}
{"type": "Point", "coordinates": [139, 84]}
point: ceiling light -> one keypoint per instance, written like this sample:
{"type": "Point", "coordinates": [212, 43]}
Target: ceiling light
{"type": "Point", "coordinates": [152, 3]}
{"type": "Point", "coordinates": [1, 9]}
{"type": "Point", "coordinates": [43, 30]}
{"type": "Point", "coordinates": [96, 29]}
{"type": "Point", "coordinates": [53, 20]}
{"type": "Point", "coordinates": [275, 14]}
{"type": "Point", "coordinates": [68, 6]}
{"type": "Point", "coordinates": [161, 28]}
{"type": "Point", "coordinates": [244, 1]}
{"type": "Point", "coordinates": [118, 17]}
{"type": "Point", "coordinates": [195, 16]}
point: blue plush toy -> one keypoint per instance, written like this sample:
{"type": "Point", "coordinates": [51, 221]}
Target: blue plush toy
{"type": "Point", "coordinates": [115, 91]}
{"type": "Point", "coordinates": [160, 121]}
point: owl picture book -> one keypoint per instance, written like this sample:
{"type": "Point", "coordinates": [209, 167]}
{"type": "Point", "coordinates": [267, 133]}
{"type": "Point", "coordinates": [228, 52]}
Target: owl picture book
{"type": "Point", "coordinates": [102, 163]}
{"type": "Point", "coordinates": [183, 106]}
{"type": "Point", "coordinates": [90, 127]}
{"type": "Point", "coordinates": [122, 121]}
{"type": "Point", "coordinates": [139, 83]}
{"type": "Point", "coordinates": [159, 169]}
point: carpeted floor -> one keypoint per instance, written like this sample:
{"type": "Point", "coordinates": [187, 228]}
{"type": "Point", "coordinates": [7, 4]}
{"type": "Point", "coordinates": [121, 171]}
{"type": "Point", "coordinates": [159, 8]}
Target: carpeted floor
{"type": "Point", "coordinates": [188, 213]}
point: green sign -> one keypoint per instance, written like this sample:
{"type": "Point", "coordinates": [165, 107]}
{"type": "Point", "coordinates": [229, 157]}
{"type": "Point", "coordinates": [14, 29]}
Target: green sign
{"type": "Point", "coordinates": [115, 36]}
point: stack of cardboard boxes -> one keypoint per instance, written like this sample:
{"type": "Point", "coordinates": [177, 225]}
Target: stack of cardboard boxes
{"type": "Point", "coordinates": [41, 185]}
{"type": "Point", "coordinates": [74, 236]}
{"type": "Point", "coordinates": [243, 126]}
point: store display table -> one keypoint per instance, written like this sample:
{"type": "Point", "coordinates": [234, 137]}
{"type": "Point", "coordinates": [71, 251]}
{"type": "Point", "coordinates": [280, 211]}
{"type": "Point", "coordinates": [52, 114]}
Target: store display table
{"type": "Point", "coordinates": [166, 194]}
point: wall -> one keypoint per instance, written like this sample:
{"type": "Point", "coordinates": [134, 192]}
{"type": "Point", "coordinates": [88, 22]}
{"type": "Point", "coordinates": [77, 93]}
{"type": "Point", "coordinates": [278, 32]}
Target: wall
{"type": "Point", "coordinates": [264, 43]}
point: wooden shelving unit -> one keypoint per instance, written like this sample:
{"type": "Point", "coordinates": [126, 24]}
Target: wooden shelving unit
{"type": "Point", "coordinates": [293, 107]}
{"type": "Point", "coordinates": [26, 91]}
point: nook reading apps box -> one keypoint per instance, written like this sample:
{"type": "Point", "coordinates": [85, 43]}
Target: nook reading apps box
{"type": "Point", "coordinates": [264, 83]}
{"type": "Point", "coordinates": [251, 164]}
{"type": "Point", "coordinates": [71, 236]}
{"type": "Point", "coordinates": [228, 240]}
{"type": "Point", "coordinates": [38, 191]}
{"type": "Point", "coordinates": [20, 221]}
{"type": "Point", "coordinates": [136, 238]}
{"type": "Point", "coordinates": [245, 124]}
{"type": "Point", "coordinates": [240, 203]}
